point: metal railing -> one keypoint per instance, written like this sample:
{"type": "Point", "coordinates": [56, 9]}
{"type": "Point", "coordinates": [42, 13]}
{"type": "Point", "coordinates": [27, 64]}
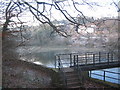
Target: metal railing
{"type": "Point", "coordinates": [87, 58]}
{"type": "Point", "coordinates": [61, 71]}
{"type": "Point", "coordinates": [78, 69]}
{"type": "Point", "coordinates": [96, 58]}
{"type": "Point", "coordinates": [67, 59]}
{"type": "Point", "coordinates": [104, 75]}
{"type": "Point", "coordinates": [77, 60]}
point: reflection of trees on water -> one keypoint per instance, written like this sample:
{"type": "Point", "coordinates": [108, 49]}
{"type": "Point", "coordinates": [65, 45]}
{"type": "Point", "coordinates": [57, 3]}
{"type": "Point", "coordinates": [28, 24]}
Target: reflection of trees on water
{"type": "Point", "coordinates": [46, 58]}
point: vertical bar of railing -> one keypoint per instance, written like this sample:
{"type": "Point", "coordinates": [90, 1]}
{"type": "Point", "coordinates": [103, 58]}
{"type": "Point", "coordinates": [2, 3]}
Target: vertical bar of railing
{"type": "Point", "coordinates": [86, 58]}
{"type": "Point", "coordinates": [71, 59]}
{"type": "Point", "coordinates": [93, 59]}
{"type": "Point", "coordinates": [99, 57]}
{"type": "Point", "coordinates": [55, 61]}
{"type": "Point", "coordinates": [111, 56]}
{"type": "Point", "coordinates": [77, 60]}
{"type": "Point", "coordinates": [62, 71]}
{"type": "Point", "coordinates": [74, 60]}
{"type": "Point", "coordinates": [90, 74]}
{"type": "Point", "coordinates": [59, 62]}
{"type": "Point", "coordinates": [108, 57]}
{"type": "Point", "coordinates": [104, 76]}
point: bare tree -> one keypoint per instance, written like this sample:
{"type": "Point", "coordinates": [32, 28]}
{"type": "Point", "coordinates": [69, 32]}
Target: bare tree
{"type": "Point", "coordinates": [44, 12]}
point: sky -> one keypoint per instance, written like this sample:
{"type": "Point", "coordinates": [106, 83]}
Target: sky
{"type": "Point", "coordinates": [105, 9]}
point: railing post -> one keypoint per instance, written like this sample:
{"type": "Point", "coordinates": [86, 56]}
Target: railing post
{"type": "Point", "coordinates": [104, 76]}
{"type": "Point", "coordinates": [90, 74]}
{"type": "Point", "coordinates": [86, 58]}
{"type": "Point", "coordinates": [93, 59]}
{"type": "Point", "coordinates": [99, 57]}
{"type": "Point", "coordinates": [55, 61]}
{"type": "Point", "coordinates": [74, 60]}
{"type": "Point", "coordinates": [77, 60]}
{"type": "Point", "coordinates": [71, 59]}
{"type": "Point", "coordinates": [59, 62]}
{"type": "Point", "coordinates": [111, 56]}
{"type": "Point", "coordinates": [108, 57]}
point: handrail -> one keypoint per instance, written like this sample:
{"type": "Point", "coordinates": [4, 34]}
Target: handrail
{"type": "Point", "coordinates": [65, 54]}
{"type": "Point", "coordinates": [110, 72]}
{"type": "Point", "coordinates": [104, 75]}
{"type": "Point", "coordinates": [87, 58]}
{"type": "Point", "coordinates": [98, 58]}
{"type": "Point", "coordinates": [81, 77]}
{"type": "Point", "coordinates": [83, 53]}
{"type": "Point", "coordinates": [78, 69]}
{"type": "Point", "coordinates": [60, 66]}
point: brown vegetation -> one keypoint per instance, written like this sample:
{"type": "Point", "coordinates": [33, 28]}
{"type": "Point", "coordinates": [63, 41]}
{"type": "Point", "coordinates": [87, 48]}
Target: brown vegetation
{"type": "Point", "coordinates": [21, 74]}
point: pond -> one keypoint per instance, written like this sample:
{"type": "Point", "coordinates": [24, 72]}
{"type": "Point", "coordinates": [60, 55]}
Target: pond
{"type": "Point", "coordinates": [46, 55]}
{"type": "Point", "coordinates": [111, 75]}
{"type": "Point", "coordinates": [42, 56]}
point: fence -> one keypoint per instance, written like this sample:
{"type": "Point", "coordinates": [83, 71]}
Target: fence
{"type": "Point", "coordinates": [86, 58]}
{"type": "Point", "coordinates": [104, 76]}
{"type": "Point", "coordinates": [66, 59]}
{"type": "Point", "coordinates": [62, 73]}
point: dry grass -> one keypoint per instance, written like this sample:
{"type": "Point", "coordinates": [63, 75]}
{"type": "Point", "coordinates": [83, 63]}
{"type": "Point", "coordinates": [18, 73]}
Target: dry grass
{"type": "Point", "coordinates": [21, 74]}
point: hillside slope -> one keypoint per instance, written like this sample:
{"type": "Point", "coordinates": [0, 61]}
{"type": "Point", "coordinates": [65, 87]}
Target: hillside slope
{"type": "Point", "coordinates": [21, 74]}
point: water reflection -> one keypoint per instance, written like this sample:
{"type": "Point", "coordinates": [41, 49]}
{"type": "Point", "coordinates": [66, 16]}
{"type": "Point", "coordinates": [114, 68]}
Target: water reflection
{"type": "Point", "coordinates": [39, 56]}
{"type": "Point", "coordinates": [107, 75]}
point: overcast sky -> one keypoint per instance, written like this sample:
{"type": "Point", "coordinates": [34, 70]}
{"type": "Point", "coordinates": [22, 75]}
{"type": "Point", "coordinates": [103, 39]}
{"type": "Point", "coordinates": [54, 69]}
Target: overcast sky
{"type": "Point", "coordinates": [105, 9]}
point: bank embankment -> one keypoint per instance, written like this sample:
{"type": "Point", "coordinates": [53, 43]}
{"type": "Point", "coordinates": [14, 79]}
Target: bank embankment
{"type": "Point", "coordinates": [22, 74]}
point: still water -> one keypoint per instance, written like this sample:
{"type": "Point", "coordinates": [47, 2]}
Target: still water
{"type": "Point", "coordinates": [46, 55]}
{"type": "Point", "coordinates": [42, 56]}
{"type": "Point", "coordinates": [112, 76]}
